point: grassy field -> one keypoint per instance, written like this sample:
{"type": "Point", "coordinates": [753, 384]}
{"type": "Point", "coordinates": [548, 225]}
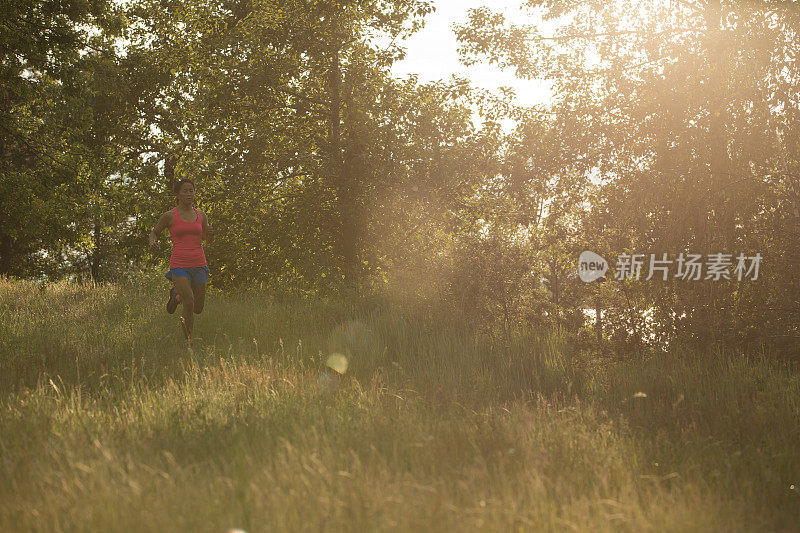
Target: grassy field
{"type": "Point", "coordinates": [108, 423]}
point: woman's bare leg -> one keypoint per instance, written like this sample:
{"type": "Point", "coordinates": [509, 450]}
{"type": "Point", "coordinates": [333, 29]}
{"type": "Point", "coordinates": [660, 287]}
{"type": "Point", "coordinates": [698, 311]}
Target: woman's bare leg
{"type": "Point", "coordinates": [199, 298]}
{"type": "Point", "coordinates": [184, 288]}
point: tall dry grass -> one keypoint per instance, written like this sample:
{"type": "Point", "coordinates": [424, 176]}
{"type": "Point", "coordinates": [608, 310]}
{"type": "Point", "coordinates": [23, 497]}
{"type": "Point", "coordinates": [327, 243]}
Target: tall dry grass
{"type": "Point", "coordinates": [107, 423]}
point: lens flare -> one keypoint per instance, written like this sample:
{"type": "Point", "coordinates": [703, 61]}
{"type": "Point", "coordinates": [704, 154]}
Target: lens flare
{"type": "Point", "coordinates": [337, 362]}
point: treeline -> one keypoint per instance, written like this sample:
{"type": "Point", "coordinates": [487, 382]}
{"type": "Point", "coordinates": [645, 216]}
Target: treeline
{"type": "Point", "coordinates": [673, 130]}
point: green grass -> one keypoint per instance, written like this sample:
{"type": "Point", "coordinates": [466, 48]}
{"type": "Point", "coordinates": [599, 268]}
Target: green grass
{"type": "Point", "coordinates": [107, 423]}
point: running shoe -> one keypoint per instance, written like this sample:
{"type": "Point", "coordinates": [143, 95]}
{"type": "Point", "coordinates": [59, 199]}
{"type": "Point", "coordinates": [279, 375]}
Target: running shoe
{"type": "Point", "coordinates": [172, 303]}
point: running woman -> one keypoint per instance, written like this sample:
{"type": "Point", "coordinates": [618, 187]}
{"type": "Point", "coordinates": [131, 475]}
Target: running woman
{"type": "Point", "coordinates": [188, 271]}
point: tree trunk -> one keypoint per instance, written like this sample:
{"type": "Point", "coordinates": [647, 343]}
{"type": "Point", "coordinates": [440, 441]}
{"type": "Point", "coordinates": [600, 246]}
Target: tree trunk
{"type": "Point", "coordinates": [555, 288]}
{"type": "Point", "coordinates": [598, 323]}
{"type": "Point", "coordinates": [345, 217]}
{"type": "Point", "coordinates": [716, 236]}
{"type": "Point", "coordinates": [169, 172]}
{"type": "Point", "coordinates": [96, 252]}
{"type": "Point", "coordinates": [6, 252]}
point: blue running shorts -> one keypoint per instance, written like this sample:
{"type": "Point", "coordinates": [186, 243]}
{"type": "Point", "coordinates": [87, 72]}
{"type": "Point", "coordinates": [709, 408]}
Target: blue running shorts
{"type": "Point", "coordinates": [196, 275]}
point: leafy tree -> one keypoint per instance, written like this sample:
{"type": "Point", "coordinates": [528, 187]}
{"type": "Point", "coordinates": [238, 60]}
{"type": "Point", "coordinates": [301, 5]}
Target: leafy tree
{"type": "Point", "coordinates": [684, 108]}
{"type": "Point", "coordinates": [279, 110]}
{"type": "Point", "coordinates": [45, 138]}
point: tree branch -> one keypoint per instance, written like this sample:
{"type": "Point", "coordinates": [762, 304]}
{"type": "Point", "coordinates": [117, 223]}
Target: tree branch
{"type": "Point", "coordinates": [612, 34]}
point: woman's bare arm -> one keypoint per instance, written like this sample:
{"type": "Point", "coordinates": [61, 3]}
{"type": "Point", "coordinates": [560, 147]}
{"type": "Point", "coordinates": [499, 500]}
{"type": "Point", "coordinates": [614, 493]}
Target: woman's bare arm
{"type": "Point", "coordinates": [164, 222]}
{"type": "Point", "coordinates": [208, 231]}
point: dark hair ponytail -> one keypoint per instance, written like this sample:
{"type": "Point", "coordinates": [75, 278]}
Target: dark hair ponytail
{"type": "Point", "coordinates": [177, 188]}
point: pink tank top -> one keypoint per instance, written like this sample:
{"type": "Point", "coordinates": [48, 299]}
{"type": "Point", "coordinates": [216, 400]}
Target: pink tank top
{"type": "Point", "coordinates": [187, 247]}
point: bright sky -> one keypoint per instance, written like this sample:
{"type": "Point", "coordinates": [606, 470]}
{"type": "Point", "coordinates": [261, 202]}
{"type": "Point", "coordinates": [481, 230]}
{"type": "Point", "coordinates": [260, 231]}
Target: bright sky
{"type": "Point", "coordinates": [432, 52]}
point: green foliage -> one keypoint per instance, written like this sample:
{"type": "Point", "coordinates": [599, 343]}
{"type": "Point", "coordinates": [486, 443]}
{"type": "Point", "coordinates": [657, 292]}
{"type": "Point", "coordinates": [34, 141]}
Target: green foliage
{"type": "Point", "coordinates": [680, 111]}
{"type": "Point", "coordinates": [672, 129]}
{"type": "Point", "coordinates": [241, 98]}
{"type": "Point", "coordinates": [53, 130]}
